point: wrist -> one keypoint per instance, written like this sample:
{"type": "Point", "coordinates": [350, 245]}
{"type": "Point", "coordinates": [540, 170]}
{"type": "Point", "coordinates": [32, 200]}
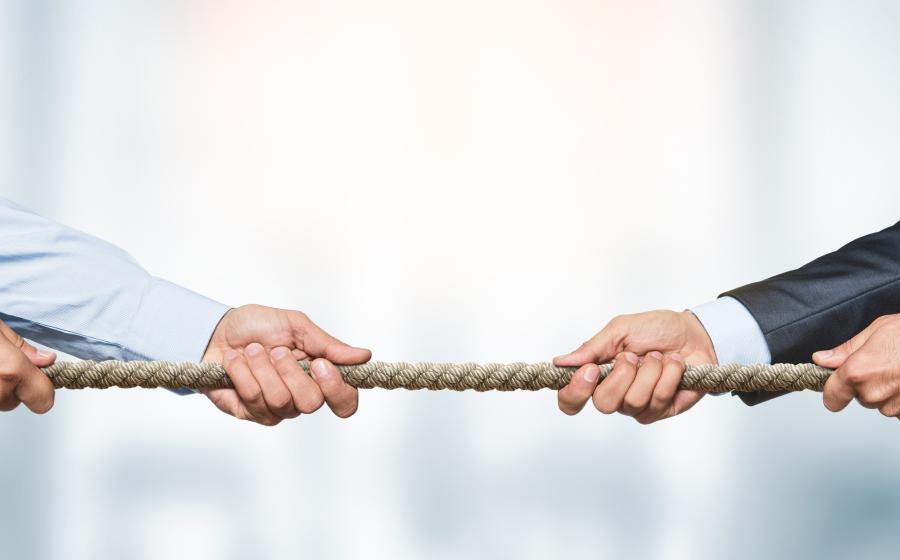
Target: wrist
{"type": "Point", "coordinates": [213, 349]}
{"type": "Point", "coordinates": [698, 340]}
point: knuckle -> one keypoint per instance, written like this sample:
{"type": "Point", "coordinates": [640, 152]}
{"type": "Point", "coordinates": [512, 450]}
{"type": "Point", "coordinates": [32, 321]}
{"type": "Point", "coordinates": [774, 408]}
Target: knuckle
{"type": "Point", "coordinates": [282, 403]}
{"type": "Point", "coordinates": [18, 341]}
{"type": "Point", "coordinates": [12, 365]}
{"type": "Point", "coordinates": [603, 404]}
{"type": "Point", "coordinates": [253, 395]}
{"type": "Point", "coordinates": [656, 406]}
{"type": "Point", "coordinates": [618, 320]}
{"type": "Point", "coordinates": [329, 384]}
{"type": "Point", "coordinates": [855, 375]}
{"type": "Point", "coordinates": [633, 405]}
{"type": "Point", "coordinates": [311, 403]}
{"type": "Point", "coordinates": [890, 409]}
{"type": "Point", "coordinates": [871, 396]}
{"type": "Point", "coordinates": [8, 404]}
{"type": "Point", "coordinates": [662, 397]}
{"type": "Point", "coordinates": [867, 401]}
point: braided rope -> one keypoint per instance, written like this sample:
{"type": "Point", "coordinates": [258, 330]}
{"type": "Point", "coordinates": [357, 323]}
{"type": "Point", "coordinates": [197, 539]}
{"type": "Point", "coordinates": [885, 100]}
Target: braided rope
{"type": "Point", "coordinates": [456, 377]}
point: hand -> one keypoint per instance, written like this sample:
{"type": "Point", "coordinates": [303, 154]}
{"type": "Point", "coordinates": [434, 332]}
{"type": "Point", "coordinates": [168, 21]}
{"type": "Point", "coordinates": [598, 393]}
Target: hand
{"type": "Point", "coordinates": [259, 347]}
{"type": "Point", "coordinates": [867, 368]}
{"type": "Point", "coordinates": [20, 379]}
{"type": "Point", "coordinates": [650, 351]}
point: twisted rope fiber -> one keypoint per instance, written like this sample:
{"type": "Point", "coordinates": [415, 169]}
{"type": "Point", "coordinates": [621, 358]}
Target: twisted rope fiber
{"type": "Point", "coordinates": [456, 377]}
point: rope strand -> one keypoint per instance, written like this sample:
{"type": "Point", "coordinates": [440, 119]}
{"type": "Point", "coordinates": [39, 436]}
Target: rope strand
{"type": "Point", "coordinates": [433, 376]}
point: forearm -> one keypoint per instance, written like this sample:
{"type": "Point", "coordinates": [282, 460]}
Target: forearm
{"type": "Point", "coordinates": [86, 297]}
{"type": "Point", "coordinates": [828, 300]}
{"type": "Point", "coordinates": [736, 337]}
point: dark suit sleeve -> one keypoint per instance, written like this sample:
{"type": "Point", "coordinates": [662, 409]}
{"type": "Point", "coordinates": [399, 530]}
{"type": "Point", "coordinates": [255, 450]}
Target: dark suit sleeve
{"type": "Point", "coordinates": [827, 301]}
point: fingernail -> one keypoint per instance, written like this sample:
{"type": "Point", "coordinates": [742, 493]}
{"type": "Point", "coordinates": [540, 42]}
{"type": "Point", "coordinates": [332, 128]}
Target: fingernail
{"type": "Point", "coordinates": [254, 349]}
{"type": "Point", "coordinates": [631, 357]}
{"type": "Point", "coordinates": [591, 374]}
{"type": "Point", "coordinates": [44, 354]}
{"type": "Point", "coordinates": [318, 369]}
{"type": "Point", "coordinates": [677, 357]}
{"type": "Point", "coordinates": [231, 354]}
{"type": "Point", "coordinates": [655, 354]}
{"type": "Point", "coordinates": [280, 352]}
{"type": "Point", "coordinates": [823, 354]}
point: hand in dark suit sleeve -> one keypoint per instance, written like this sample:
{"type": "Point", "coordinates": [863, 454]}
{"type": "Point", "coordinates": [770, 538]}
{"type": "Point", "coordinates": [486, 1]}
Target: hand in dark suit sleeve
{"type": "Point", "coordinates": [826, 301]}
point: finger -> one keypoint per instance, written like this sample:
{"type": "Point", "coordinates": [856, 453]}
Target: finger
{"type": "Point", "coordinates": [342, 399]}
{"type": "Point", "coordinates": [837, 393]}
{"type": "Point", "coordinates": [38, 357]}
{"type": "Point", "coordinates": [8, 400]}
{"type": "Point", "coordinates": [305, 393]}
{"type": "Point", "coordinates": [22, 380]}
{"type": "Point", "coordinates": [665, 389]}
{"type": "Point", "coordinates": [35, 390]}
{"type": "Point", "coordinates": [229, 402]}
{"type": "Point", "coordinates": [9, 375]}
{"type": "Point", "coordinates": [246, 385]}
{"type": "Point", "coordinates": [600, 348]}
{"type": "Point", "coordinates": [277, 396]}
{"type": "Point", "coordinates": [610, 393]}
{"type": "Point", "coordinates": [836, 357]}
{"type": "Point", "coordinates": [637, 399]}
{"type": "Point", "coordinates": [684, 400]}
{"type": "Point", "coordinates": [310, 338]}
{"type": "Point", "coordinates": [891, 408]}
{"type": "Point", "coordinates": [575, 395]}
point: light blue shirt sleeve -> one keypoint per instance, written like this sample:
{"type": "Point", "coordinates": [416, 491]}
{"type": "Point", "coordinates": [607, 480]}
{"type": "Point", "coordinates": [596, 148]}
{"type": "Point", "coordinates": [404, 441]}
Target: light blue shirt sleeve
{"type": "Point", "coordinates": [735, 334]}
{"type": "Point", "coordinates": [83, 296]}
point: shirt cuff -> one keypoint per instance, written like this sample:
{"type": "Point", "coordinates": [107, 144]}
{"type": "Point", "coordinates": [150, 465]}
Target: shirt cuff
{"type": "Point", "coordinates": [735, 334]}
{"type": "Point", "coordinates": [172, 324]}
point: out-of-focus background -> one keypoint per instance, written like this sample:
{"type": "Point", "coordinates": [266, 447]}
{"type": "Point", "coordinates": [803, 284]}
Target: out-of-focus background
{"type": "Point", "coordinates": [462, 181]}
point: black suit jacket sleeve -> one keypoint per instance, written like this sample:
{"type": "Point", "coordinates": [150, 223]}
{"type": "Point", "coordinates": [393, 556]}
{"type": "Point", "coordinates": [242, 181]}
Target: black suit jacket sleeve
{"type": "Point", "coordinates": [827, 301]}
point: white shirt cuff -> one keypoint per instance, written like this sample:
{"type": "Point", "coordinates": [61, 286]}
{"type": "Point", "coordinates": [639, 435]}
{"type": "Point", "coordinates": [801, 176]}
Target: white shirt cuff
{"type": "Point", "coordinates": [735, 334]}
{"type": "Point", "coordinates": [172, 324]}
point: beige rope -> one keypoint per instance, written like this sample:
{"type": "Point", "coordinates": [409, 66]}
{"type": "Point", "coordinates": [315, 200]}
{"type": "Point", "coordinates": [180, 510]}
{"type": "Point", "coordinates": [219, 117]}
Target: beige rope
{"type": "Point", "coordinates": [456, 377]}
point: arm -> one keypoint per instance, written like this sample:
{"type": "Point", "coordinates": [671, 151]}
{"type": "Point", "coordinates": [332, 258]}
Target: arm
{"type": "Point", "coordinates": [826, 301]}
{"type": "Point", "coordinates": [86, 297]}
{"type": "Point", "coordinates": [867, 368]}
{"type": "Point", "coordinates": [76, 293]}
{"type": "Point", "coordinates": [782, 319]}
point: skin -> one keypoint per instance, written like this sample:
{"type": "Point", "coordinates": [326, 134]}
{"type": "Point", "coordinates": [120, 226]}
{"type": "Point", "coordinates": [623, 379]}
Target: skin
{"type": "Point", "coordinates": [20, 379]}
{"type": "Point", "coordinates": [867, 368]}
{"type": "Point", "coordinates": [650, 350]}
{"type": "Point", "coordinates": [259, 347]}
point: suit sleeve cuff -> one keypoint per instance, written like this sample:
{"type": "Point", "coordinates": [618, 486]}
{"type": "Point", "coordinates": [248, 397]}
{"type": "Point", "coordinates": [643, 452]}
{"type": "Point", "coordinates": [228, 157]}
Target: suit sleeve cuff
{"type": "Point", "coordinates": [735, 334]}
{"type": "Point", "coordinates": [172, 323]}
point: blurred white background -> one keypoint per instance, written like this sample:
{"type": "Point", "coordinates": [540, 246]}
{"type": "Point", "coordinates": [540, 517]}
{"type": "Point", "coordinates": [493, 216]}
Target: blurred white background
{"type": "Point", "coordinates": [463, 181]}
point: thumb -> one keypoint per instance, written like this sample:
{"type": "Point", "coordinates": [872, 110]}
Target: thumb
{"type": "Point", "coordinates": [601, 348]}
{"type": "Point", "coordinates": [313, 340]}
{"type": "Point", "coordinates": [836, 357]}
{"type": "Point", "coordinates": [40, 358]}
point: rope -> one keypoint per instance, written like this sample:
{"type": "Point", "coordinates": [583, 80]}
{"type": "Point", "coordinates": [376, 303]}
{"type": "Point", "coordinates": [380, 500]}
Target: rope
{"type": "Point", "coordinates": [456, 377]}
